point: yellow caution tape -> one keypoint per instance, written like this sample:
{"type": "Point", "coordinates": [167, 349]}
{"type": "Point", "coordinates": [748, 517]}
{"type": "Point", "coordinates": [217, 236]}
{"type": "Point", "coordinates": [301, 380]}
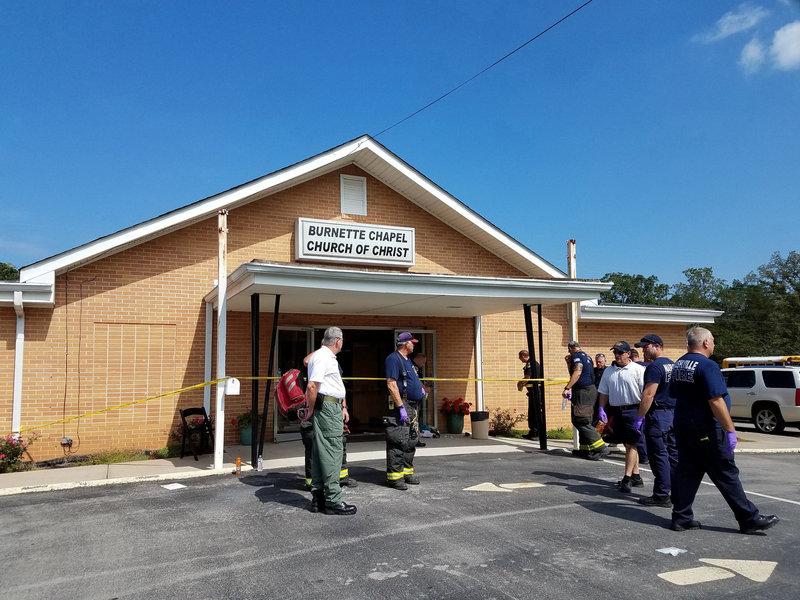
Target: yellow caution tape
{"type": "Point", "coordinates": [197, 386]}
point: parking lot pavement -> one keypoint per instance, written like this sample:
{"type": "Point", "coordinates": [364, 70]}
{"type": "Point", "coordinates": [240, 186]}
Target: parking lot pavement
{"type": "Point", "coordinates": [572, 536]}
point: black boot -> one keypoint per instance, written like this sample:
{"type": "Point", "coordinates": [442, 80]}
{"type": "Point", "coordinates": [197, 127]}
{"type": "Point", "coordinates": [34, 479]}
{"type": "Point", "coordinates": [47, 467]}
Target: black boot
{"type": "Point", "coordinates": [340, 509]}
{"type": "Point", "coordinates": [760, 523]}
{"type": "Point", "coordinates": [317, 501]}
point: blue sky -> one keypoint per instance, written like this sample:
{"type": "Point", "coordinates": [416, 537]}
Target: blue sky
{"type": "Point", "coordinates": [660, 135]}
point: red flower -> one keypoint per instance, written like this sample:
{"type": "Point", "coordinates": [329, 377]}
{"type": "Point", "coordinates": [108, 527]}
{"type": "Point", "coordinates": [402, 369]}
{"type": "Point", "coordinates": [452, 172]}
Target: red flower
{"type": "Point", "coordinates": [455, 407]}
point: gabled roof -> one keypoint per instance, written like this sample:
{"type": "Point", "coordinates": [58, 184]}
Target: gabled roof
{"type": "Point", "coordinates": [364, 152]}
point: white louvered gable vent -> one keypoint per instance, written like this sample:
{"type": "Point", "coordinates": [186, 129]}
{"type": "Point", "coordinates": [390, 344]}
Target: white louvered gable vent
{"type": "Point", "coordinates": [354, 195]}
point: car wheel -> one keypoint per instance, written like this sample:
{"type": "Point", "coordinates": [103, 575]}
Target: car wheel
{"type": "Point", "coordinates": [767, 419]}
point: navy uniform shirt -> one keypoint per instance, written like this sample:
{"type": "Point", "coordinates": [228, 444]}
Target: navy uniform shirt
{"type": "Point", "coordinates": [587, 375]}
{"type": "Point", "coordinates": [695, 380]}
{"type": "Point", "coordinates": [659, 371]}
{"type": "Point", "coordinates": [401, 369]}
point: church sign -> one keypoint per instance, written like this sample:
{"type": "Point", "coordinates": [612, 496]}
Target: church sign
{"type": "Point", "coordinates": [343, 242]}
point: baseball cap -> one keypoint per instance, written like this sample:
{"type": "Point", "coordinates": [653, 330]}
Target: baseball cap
{"type": "Point", "coordinates": [622, 346]}
{"type": "Point", "coordinates": [406, 336]}
{"type": "Point", "coordinates": [650, 338]}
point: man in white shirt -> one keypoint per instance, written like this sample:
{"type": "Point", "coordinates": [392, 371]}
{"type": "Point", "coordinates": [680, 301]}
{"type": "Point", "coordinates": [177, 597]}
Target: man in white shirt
{"type": "Point", "coordinates": [325, 397]}
{"type": "Point", "coordinates": [620, 391]}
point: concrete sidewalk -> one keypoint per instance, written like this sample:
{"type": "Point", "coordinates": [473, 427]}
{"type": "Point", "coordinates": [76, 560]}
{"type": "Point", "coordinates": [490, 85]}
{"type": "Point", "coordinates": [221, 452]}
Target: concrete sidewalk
{"type": "Point", "coordinates": [276, 456]}
{"type": "Point", "coordinates": [289, 455]}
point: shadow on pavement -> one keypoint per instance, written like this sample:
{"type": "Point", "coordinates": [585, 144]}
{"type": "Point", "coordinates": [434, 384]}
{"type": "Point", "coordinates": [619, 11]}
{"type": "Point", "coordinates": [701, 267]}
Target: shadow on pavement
{"type": "Point", "coordinates": [289, 488]}
{"type": "Point", "coordinates": [587, 486]}
{"type": "Point", "coordinates": [627, 512]}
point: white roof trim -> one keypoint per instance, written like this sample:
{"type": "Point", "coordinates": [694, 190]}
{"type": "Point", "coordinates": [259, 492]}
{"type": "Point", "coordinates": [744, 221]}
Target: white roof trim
{"type": "Point", "coordinates": [362, 151]}
{"type": "Point", "coordinates": [379, 292]}
{"type": "Point", "coordinates": [593, 311]}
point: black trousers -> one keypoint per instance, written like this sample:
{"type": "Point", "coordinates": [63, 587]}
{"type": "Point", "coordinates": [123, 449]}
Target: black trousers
{"type": "Point", "coordinates": [401, 444]}
{"type": "Point", "coordinates": [583, 400]}
{"type": "Point", "coordinates": [706, 453]}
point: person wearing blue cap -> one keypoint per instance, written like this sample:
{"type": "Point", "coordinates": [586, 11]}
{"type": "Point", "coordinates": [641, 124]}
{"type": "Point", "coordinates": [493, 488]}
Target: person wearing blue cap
{"type": "Point", "coordinates": [402, 426]}
{"type": "Point", "coordinates": [656, 412]}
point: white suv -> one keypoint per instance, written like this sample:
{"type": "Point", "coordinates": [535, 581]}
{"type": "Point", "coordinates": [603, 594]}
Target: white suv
{"type": "Point", "coordinates": [767, 396]}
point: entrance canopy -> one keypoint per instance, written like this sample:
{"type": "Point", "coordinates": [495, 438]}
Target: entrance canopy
{"type": "Point", "coordinates": [323, 290]}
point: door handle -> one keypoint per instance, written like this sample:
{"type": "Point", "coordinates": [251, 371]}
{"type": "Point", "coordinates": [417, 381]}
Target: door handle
{"type": "Point", "coordinates": [751, 393]}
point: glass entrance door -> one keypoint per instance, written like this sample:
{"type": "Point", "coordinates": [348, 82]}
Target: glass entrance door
{"type": "Point", "coordinates": [293, 345]}
{"type": "Point", "coordinates": [424, 358]}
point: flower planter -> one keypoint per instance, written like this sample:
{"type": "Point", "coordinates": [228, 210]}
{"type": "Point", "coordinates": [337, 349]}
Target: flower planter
{"type": "Point", "coordinates": [246, 436]}
{"type": "Point", "coordinates": [455, 423]}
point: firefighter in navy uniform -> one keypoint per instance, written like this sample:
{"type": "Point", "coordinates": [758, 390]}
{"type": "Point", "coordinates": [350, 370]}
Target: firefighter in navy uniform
{"type": "Point", "coordinates": [583, 394]}
{"type": "Point", "coordinates": [402, 426]}
{"type": "Point", "coordinates": [706, 438]}
{"type": "Point", "coordinates": [656, 412]}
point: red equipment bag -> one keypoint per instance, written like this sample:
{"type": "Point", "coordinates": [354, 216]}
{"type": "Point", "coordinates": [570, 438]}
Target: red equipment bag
{"type": "Point", "coordinates": [290, 397]}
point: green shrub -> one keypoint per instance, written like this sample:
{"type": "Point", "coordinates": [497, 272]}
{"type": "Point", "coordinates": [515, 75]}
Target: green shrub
{"type": "Point", "coordinates": [502, 420]}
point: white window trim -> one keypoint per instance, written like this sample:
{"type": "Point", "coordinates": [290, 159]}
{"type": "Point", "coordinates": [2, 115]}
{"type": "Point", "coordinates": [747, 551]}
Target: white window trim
{"type": "Point", "coordinates": [363, 181]}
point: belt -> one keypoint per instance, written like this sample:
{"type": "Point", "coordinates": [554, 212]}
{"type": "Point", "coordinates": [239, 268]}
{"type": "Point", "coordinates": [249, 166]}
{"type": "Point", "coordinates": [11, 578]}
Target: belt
{"type": "Point", "coordinates": [331, 399]}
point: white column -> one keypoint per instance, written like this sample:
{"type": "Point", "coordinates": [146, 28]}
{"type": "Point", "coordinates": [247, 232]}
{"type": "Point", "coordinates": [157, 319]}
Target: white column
{"type": "Point", "coordinates": [478, 364]}
{"type": "Point", "coordinates": [222, 312]}
{"type": "Point", "coordinates": [207, 358]}
{"type": "Point", "coordinates": [19, 364]}
{"type": "Point", "coordinates": [572, 317]}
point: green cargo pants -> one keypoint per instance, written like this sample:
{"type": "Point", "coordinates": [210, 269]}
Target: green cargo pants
{"type": "Point", "coordinates": [326, 458]}
{"type": "Point", "coordinates": [307, 435]}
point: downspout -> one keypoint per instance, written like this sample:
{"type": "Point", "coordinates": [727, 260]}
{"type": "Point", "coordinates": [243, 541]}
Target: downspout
{"type": "Point", "coordinates": [222, 313]}
{"type": "Point", "coordinates": [19, 356]}
{"type": "Point", "coordinates": [572, 317]}
{"type": "Point", "coordinates": [478, 364]}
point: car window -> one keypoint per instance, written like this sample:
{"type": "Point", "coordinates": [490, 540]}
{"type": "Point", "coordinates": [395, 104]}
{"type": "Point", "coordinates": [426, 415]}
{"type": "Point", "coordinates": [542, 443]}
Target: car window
{"type": "Point", "coordinates": [779, 379]}
{"type": "Point", "coordinates": [740, 379]}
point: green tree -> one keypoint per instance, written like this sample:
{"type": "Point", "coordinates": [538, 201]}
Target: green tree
{"type": "Point", "coordinates": [701, 289]}
{"type": "Point", "coordinates": [8, 272]}
{"type": "Point", "coordinates": [762, 312]}
{"type": "Point", "coordinates": [635, 289]}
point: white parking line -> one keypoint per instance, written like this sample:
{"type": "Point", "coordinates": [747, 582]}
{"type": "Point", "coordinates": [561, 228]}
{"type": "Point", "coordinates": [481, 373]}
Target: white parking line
{"type": "Point", "coordinates": [748, 492]}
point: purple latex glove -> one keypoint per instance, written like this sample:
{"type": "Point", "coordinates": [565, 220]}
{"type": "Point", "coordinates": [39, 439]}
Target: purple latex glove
{"type": "Point", "coordinates": [638, 422]}
{"type": "Point", "coordinates": [404, 415]}
{"type": "Point", "coordinates": [567, 394]}
{"type": "Point", "coordinates": [601, 414]}
{"type": "Point", "coordinates": [731, 435]}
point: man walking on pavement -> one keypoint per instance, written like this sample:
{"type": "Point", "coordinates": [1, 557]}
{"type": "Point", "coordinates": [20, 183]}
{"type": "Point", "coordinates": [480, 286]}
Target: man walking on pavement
{"type": "Point", "coordinates": [582, 393]}
{"type": "Point", "coordinates": [402, 426]}
{"type": "Point", "coordinates": [325, 395]}
{"type": "Point", "coordinates": [657, 411]}
{"type": "Point", "coordinates": [706, 438]}
{"type": "Point", "coordinates": [621, 391]}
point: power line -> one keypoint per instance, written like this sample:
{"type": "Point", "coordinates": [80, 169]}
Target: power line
{"type": "Point", "coordinates": [495, 63]}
